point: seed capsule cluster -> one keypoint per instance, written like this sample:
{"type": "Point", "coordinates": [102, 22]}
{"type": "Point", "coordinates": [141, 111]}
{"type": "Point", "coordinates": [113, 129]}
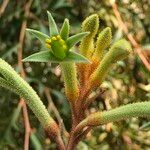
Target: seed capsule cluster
{"type": "Point", "coordinates": [54, 39]}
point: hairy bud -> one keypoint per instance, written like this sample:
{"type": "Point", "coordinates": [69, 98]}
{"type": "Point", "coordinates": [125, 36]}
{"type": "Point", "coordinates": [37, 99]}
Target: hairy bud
{"type": "Point", "coordinates": [90, 24]}
{"type": "Point", "coordinates": [118, 51]}
{"type": "Point", "coordinates": [103, 41]}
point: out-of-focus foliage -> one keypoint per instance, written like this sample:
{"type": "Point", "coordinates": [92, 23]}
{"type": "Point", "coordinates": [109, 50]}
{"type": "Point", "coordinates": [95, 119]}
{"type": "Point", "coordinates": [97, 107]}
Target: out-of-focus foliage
{"type": "Point", "coordinates": [127, 82]}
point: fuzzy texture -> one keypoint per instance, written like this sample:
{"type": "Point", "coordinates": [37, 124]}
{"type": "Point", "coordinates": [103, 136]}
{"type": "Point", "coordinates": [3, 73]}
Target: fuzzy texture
{"type": "Point", "coordinates": [70, 80]}
{"type": "Point", "coordinates": [103, 41]}
{"type": "Point", "coordinates": [120, 50]}
{"type": "Point", "coordinates": [90, 24]}
{"type": "Point", "coordinates": [86, 47]}
{"type": "Point", "coordinates": [11, 80]}
{"type": "Point", "coordinates": [140, 109]}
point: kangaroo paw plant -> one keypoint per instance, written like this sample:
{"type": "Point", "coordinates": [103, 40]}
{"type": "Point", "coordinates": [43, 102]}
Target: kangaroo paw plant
{"type": "Point", "coordinates": [82, 72]}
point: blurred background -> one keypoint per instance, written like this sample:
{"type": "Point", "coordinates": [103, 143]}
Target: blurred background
{"type": "Point", "coordinates": [128, 81]}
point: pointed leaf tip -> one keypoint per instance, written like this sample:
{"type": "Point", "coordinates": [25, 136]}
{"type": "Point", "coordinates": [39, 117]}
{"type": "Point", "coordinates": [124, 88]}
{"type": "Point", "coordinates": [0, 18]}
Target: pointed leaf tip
{"type": "Point", "coordinates": [52, 25]}
{"type": "Point", "coordinates": [47, 56]}
{"type": "Point", "coordinates": [43, 56]}
{"type": "Point", "coordinates": [39, 35]}
{"type": "Point", "coordinates": [71, 41]}
{"type": "Point", "coordinates": [64, 32]}
{"type": "Point", "coordinates": [76, 57]}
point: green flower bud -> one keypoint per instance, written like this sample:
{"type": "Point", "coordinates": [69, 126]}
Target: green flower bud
{"type": "Point", "coordinates": [57, 45]}
{"type": "Point", "coordinates": [90, 24]}
{"type": "Point", "coordinates": [103, 41]}
{"type": "Point", "coordinates": [120, 50]}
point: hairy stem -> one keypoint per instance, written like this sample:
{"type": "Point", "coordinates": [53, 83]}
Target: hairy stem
{"type": "Point", "coordinates": [71, 85]}
{"type": "Point", "coordinates": [11, 80]}
{"type": "Point", "coordinates": [70, 80]}
{"type": "Point", "coordinates": [140, 109]}
{"type": "Point", "coordinates": [23, 89]}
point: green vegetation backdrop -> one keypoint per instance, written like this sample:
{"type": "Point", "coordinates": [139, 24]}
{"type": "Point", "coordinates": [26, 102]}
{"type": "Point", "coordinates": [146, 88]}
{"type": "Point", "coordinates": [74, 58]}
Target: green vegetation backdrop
{"type": "Point", "coordinates": [128, 82]}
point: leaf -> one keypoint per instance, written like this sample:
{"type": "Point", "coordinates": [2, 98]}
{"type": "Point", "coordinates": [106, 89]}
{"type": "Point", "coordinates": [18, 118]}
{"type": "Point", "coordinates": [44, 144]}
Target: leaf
{"type": "Point", "coordinates": [61, 4]}
{"type": "Point", "coordinates": [47, 56]}
{"type": "Point", "coordinates": [75, 57]}
{"type": "Point", "coordinates": [64, 32]}
{"type": "Point", "coordinates": [76, 38]}
{"type": "Point", "coordinates": [35, 142]}
{"type": "Point", "coordinates": [9, 53]}
{"type": "Point", "coordinates": [39, 35]}
{"type": "Point", "coordinates": [52, 25]}
{"type": "Point", "coordinates": [145, 127]}
{"type": "Point", "coordinates": [43, 56]}
{"type": "Point", "coordinates": [146, 47]}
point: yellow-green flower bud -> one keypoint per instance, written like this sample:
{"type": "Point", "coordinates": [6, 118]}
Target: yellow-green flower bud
{"type": "Point", "coordinates": [90, 24]}
{"type": "Point", "coordinates": [118, 51]}
{"type": "Point", "coordinates": [57, 45]}
{"type": "Point", "coordinates": [103, 41]}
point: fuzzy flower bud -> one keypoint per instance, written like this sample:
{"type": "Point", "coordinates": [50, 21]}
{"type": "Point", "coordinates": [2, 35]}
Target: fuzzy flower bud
{"type": "Point", "coordinates": [120, 50]}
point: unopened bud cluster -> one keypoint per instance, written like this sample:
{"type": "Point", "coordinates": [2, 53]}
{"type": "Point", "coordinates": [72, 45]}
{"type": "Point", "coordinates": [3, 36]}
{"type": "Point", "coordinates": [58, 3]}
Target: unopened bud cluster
{"type": "Point", "coordinates": [57, 45]}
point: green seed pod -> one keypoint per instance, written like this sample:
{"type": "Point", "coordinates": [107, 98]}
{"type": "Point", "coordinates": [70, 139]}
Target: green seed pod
{"type": "Point", "coordinates": [90, 24]}
{"type": "Point", "coordinates": [118, 51]}
{"type": "Point", "coordinates": [70, 80]}
{"type": "Point", "coordinates": [103, 41]}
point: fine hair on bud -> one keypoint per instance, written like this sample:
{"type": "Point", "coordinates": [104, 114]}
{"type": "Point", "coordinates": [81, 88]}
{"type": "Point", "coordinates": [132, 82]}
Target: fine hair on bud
{"type": "Point", "coordinates": [119, 50]}
{"type": "Point", "coordinates": [90, 24]}
{"type": "Point", "coordinates": [103, 42]}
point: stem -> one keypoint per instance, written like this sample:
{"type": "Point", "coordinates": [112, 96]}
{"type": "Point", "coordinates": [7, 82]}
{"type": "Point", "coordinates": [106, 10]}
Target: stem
{"type": "Point", "coordinates": [11, 79]}
{"type": "Point", "coordinates": [70, 80]}
{"type": "Point", "coordinates": [135, 44]}
{"type": "Point", "coordinates": [71, 86]}
{"type": "Point", "coordinates": [22, 72]}
{"type": "Point", "coordinates": [56, 112]}
{"type": "Point", "coordinates": [140, 109]}
{"type": "Point", "coordinates": [23, 89]}
{"type": "Point", "coordinates": [71, 143]}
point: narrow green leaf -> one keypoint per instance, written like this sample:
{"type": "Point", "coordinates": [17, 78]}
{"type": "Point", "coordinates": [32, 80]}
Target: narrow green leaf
{"type": "Point", "coordinates": [43, 56]}
{"type": "Point", "coordinates": [52, 25]}
{"type": "Point", "coordinates": [145, 127]}
{"type": "Point", "coordinates": [71, 41]}
{"type": "Point", "coordinates": [75, 57]}
{"type": "Point", "coordinates": [35, 142]}
{"type": "Point", "coordinates": [39, 35]}
{"type": "Point", "coordinates": [64, 32]}
{"type": "Point", "coordinates": [47, 56]}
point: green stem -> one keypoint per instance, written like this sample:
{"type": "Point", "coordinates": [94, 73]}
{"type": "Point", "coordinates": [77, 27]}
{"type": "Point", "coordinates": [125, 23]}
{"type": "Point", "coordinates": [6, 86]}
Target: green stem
{"type": "Point", "coordinates": [140, 109]}
{"type": "Point", "coordinates": [11, 80]}
{"type": "Point", "coordinates": [70, 80]}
